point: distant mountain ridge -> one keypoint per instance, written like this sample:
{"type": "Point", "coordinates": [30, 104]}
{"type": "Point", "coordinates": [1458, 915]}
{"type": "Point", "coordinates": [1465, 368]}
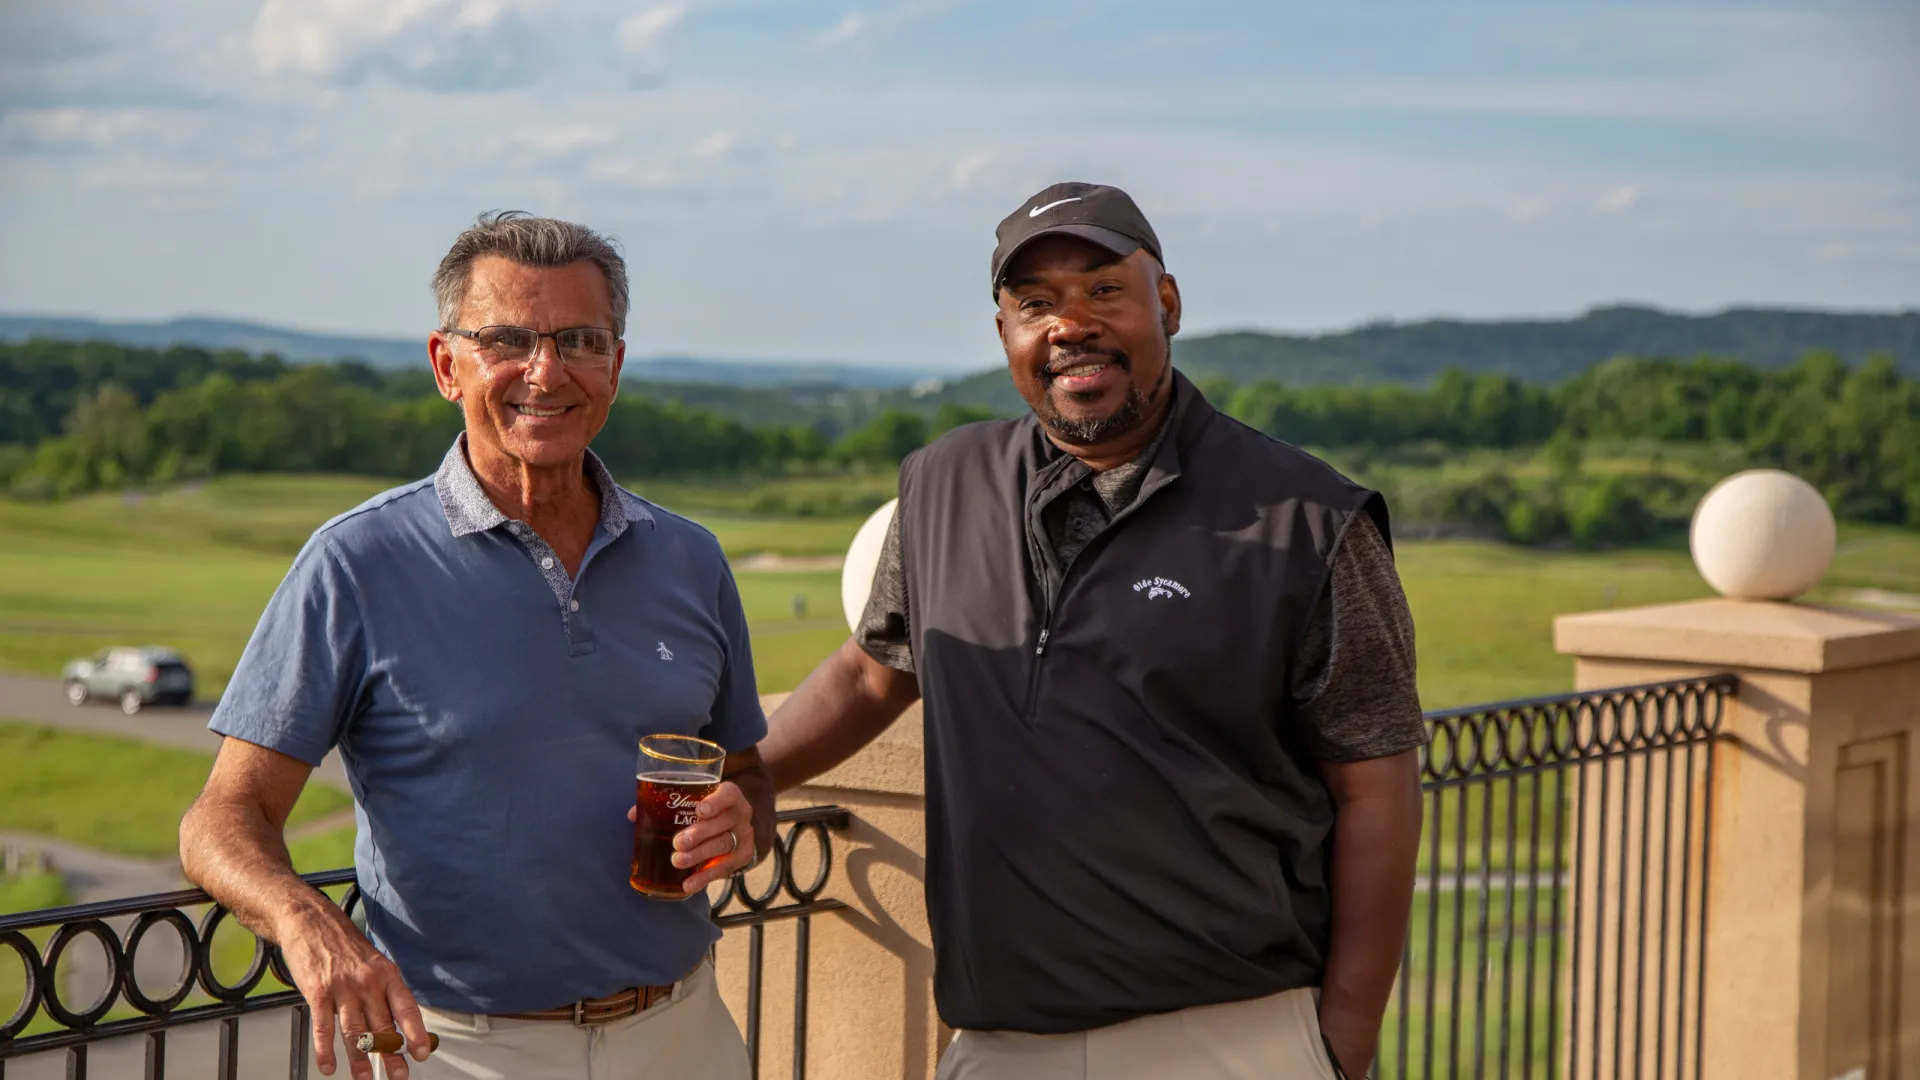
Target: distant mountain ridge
{"type": "Point", "coordinates": [304, 347]}
{"type": "Point", "coordinates": [1550, 350]}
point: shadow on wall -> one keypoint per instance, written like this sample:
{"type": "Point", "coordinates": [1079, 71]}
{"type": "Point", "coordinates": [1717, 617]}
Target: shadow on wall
{"type": "Point", "coordinates": [865, 870]}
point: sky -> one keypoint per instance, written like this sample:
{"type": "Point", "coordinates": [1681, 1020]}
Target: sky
{"type": "Point", "coordinates": [802, 180]}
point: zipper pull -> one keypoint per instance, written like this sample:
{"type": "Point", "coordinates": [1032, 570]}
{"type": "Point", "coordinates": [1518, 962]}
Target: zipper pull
{"type": "Point", "coordinates": [1042, 650]}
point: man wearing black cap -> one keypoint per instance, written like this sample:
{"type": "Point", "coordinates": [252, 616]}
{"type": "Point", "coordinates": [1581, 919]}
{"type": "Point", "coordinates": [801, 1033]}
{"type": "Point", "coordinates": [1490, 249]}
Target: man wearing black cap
{"type": "Point", "coordinates": [1171, 736]}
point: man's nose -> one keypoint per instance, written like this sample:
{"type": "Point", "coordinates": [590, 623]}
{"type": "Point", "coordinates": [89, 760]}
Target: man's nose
{"type": "Point", "coordinates": [545, 369]}
{"type": "Point", "coordinates": [1072, 325]}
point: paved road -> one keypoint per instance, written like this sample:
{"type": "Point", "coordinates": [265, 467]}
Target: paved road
{"type": "Point", "coordinates": [41, 701]}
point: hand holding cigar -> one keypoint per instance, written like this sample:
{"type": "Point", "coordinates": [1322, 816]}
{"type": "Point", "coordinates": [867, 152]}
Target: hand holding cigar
{"type": "Point", "coordinates": [390, 1042]}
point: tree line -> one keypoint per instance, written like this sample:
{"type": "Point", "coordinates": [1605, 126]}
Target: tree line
{"type": "Point", "coordinates": [1853, 432]}
{"type": "Point", "coordinates": [93, 416]}
{"type": "Point", "coordinates": [81, 417]}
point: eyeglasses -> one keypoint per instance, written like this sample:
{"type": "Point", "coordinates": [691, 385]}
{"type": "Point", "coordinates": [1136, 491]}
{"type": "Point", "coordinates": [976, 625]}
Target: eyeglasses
{"type": "Point", "coordinates": [585, 347]}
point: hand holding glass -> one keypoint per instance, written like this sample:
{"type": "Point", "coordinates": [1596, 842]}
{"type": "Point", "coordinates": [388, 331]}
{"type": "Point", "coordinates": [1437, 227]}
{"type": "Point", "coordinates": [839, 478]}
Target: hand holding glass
{"type": "Point", "coordinates": [675, 773]}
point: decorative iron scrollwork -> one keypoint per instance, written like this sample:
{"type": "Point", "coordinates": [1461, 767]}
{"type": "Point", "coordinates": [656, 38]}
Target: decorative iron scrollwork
{"type": "Point", "coordinates": [159, 1008]}
{"type": "Point", "coordinates": [1543, 733]}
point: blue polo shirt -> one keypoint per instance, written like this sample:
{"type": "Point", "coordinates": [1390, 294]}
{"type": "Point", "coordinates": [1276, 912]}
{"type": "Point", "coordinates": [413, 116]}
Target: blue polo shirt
{"type": "Point", "coordinates": [488, 710]}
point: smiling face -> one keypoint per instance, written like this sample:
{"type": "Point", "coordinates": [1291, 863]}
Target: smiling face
{"type": "Point", "coordinates": [1088, 336]}
{"type": "Point", "coordinates": [542, 412]}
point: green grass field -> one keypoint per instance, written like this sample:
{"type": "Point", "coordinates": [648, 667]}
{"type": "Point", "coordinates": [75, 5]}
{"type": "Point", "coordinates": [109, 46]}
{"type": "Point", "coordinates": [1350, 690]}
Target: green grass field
{"type": "Point", "coordinates": [193, 567]}
{"type": "Point", "coordinates": [31, 891]}
{"type": "Point", "coordinates": [111, 794]}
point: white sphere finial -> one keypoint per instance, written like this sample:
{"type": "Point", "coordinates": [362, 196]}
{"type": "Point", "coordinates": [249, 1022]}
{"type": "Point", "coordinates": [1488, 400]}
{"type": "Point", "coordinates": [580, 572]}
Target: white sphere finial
{"type": "Point", "coordinates": [863, 557]}
{"type": "Point", "coordinates": [1763, 534]}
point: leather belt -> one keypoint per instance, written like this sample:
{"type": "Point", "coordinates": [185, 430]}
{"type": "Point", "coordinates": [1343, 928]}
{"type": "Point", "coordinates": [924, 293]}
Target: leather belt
{"type": "Point", "coordinates": [629, 1002]}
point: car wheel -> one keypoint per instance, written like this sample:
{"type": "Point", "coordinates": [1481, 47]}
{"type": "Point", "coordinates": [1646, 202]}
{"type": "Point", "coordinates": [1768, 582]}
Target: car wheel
{"type": "Point", "coordinates": [130, 702]}
{"type": "Point", "coordinates": [76, 692]}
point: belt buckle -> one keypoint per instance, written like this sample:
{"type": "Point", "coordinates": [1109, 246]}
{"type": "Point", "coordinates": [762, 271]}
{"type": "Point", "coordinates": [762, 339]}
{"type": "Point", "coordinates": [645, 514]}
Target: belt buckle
{"type": "Point", "coordinates": [579, 1013]}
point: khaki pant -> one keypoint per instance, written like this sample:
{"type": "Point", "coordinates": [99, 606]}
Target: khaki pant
{"type": "Point", "coordinates": [1269, 1038]}
{"type": "Point", "coordinates": [691, 1037]}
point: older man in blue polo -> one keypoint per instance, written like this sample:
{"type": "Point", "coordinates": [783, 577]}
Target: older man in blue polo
{"type": "Point", "coordinates": [486, 647]}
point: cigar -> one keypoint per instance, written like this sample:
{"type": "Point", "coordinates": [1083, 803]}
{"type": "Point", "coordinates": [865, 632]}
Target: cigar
{"type": "Point", "coordinates": [390, 1042]}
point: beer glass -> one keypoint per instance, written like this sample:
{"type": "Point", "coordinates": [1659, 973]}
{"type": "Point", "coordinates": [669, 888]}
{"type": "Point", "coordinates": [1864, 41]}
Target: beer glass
{"type": "Point", "coordinates": [675, 772]}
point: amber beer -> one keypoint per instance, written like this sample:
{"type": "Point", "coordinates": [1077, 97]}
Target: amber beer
{"type": "Point", "coordinates": [675, 773]}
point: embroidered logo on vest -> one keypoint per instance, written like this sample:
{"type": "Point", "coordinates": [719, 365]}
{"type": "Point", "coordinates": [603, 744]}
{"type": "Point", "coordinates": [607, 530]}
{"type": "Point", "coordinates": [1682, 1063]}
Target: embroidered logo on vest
{"type": "Point", "coordinates": [1157, 587]}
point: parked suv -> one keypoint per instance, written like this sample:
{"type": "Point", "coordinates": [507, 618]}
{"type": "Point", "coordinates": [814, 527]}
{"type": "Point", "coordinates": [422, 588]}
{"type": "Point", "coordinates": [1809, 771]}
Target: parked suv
{"type": "Point", "coordinates": [134, 677]}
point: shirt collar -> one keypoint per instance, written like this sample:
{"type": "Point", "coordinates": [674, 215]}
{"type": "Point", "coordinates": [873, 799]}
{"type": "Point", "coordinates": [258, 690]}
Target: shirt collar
{"type": "Point", "coordinates": [469, 510]}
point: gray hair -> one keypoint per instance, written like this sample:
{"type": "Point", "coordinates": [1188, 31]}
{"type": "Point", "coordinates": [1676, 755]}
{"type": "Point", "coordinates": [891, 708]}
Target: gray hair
{"type": "Point", "coordinates": [529, 241]}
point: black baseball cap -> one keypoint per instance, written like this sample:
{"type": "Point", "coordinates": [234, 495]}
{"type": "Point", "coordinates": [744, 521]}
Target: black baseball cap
{"type": "Point", "coordinates": [1093, 212]}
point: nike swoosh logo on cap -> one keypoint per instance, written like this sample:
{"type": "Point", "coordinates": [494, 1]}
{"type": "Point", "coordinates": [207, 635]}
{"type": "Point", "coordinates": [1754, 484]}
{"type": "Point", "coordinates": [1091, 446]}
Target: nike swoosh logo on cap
{"type": "Point", "coordinates": [1038, 210]}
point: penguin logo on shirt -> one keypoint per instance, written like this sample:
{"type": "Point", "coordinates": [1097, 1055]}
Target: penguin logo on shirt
{"type": "Point", "coordinates": [665, 653]}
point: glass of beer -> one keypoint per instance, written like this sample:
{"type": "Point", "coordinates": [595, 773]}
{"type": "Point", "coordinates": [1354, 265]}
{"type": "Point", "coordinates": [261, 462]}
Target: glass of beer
{"type": "Point", "coordinates": [674, 774]}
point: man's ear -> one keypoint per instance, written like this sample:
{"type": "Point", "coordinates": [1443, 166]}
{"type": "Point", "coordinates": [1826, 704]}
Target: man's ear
{"type": "Point", "coordinates": [440, 356]}
{"type": "Point", "coordinates": [1170, 304]}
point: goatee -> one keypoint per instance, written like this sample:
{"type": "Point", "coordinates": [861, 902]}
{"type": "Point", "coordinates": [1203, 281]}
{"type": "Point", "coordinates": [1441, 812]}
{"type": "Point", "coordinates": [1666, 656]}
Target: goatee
{"type": "Point", "coordinates": [1094, 430]}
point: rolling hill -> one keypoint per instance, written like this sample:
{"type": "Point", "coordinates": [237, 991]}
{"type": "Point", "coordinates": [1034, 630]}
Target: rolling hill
{"type": "Point", "coordinates": [1549, 350]}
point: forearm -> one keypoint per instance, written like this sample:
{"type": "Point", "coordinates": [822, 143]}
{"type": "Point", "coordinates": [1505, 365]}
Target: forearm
{"type": "Point", "coordinates": [240, 858]}
{"type": "Point", "coordinates": [1375, 845]}
{"type": "Point", "coordinates": [749, 773]}
{"type": "Point", "coordinates": [843, 705]}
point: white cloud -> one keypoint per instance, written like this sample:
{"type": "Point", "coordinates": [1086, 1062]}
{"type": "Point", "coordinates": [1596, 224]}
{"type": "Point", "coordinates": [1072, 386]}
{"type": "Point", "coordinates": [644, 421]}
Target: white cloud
{"type": "Point", "coordinates": [550, 140]}
{"type": "Point", "coordinates": [1866, 251]}
{"type": "Point", "coordinates": [447, 45]}
{"type": "Point", "coordinates": [1619, 200]}
{"type": "Point", "coordinates": [101, 130]}
{"type": "Point", "coordinates": [848, 28]}
{"type": "Point", "coordinates": [642, 34]}
{"type": "Point", "coordinates": [714, 145]}
{"type": "Point", "coordinates": [1528, 209]}
{"type": "Point", "coordinates": [70, 126]}
{"type": "Point", "coordinates": [968, 167]}
{"type": "Point", "coordinates": [323, 36]}
{"type": "Point", "coordinates": [632, 174]}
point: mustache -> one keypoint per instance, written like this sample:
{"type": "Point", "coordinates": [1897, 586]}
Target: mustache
{"type": "Point", "coordinates": [1060, 360]}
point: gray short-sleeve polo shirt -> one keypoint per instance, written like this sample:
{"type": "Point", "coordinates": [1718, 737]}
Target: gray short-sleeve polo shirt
{"type": "Point", "coordinates": [488, 710]}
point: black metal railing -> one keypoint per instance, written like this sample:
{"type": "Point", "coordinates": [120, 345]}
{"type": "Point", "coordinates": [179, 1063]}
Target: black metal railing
{"type": "Point", "coordinates": [122, 1007]}
{"type": "Point", "coordinates": [1561, 897]}
{"type": "Point", "coordinates": [1558, 926]}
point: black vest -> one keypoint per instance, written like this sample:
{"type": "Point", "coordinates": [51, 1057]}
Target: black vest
{"type": "Point", "coordinates": [1123, 817]}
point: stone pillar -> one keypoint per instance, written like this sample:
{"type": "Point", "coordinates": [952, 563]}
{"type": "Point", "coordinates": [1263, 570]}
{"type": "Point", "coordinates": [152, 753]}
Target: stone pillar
{"type": "Point", "coordinates": [870, 1007]}
{"type": "Point", "coordinates": [1813, 918]}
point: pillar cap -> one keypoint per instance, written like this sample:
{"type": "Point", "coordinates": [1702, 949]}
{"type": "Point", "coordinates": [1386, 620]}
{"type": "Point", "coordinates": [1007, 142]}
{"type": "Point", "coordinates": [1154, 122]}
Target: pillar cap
{"type": "Point", "coordinates": [1752, 634]}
